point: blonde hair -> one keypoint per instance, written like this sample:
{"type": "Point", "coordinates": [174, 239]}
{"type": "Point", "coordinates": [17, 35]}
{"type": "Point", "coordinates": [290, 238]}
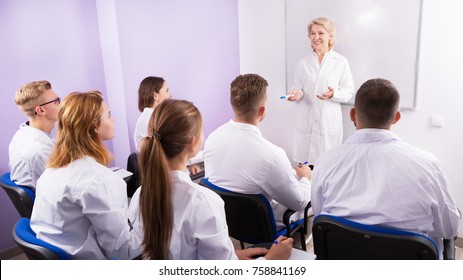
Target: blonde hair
{"type": "Point", "coordinates": [171, 128]}
{"type": "Point", "coordinates": [329, 27]}
{"type": "Point", "coordinates": [28, 96]}
{"type": "Point", "coordinates": [78, 117]}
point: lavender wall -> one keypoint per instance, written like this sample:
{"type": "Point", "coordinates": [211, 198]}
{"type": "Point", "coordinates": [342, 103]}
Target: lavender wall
{"type": "Point", "coordinates": [43, 40]}
{"type": "Point", "coordinates": [192, 44]}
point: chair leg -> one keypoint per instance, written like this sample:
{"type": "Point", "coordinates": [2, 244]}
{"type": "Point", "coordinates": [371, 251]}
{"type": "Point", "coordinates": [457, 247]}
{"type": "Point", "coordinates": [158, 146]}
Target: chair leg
{"type": "Point", "coordinates": [303, 245]}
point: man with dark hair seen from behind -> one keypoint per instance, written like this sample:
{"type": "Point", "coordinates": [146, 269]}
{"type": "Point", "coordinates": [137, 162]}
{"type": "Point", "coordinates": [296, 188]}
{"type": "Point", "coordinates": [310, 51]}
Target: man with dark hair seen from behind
{"type": "Point", "coordinates": [238, 158]}
{"type": "Point", "coordinates": [375, 178]}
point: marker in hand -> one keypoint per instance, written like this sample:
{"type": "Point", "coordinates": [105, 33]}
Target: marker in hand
{"type": "Point", "coordinates": [286, 96]}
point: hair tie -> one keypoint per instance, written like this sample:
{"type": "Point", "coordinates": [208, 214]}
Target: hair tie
{"type": "Point", "coordinates": [155, 134]}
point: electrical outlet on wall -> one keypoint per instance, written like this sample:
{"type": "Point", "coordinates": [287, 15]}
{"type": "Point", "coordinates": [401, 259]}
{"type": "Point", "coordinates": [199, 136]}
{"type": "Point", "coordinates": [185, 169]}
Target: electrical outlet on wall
{"type": "Point", "coordinates": [437, 120]}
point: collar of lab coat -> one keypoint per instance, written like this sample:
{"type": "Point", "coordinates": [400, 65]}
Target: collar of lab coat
{"type": "Point", "coordinates": [245, 126]}
{"type": "Point", "coordinates": [327, 56]}
{"type": "Point", "coordinates": [25, 126]}
{"type": "Point", "coordinates": [179, 175]}
{"type": "Point", "coordinates": [371, 135]}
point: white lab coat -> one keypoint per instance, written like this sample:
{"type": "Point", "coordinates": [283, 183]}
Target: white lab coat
{"type": "Point", "coordinates": [375, 178]}
{"type": "Point", "coordinates": [141, 128]}
{"type": "Point", "coordinates": [82, 209]}
{"type": "Point", "coordinates": [238, 158]}
{"type": "Point", "coordinates": [141, 131]}
{"type": "Point", "coordinates": [29, 150]}
{"type": "Point", "coordinates": [319, 122]}
{"type": "Point", "coordinates": [200, 230]}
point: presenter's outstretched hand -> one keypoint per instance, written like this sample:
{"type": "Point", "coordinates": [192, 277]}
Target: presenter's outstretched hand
{"type": "Point", "coordinates": [294, 94]}
{"type": "Point", "coordinates": [326, 95]}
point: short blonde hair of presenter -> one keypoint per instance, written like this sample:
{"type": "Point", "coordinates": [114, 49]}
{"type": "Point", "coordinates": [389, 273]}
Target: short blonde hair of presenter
{"type": "Point", "coordinates": [329, 27]}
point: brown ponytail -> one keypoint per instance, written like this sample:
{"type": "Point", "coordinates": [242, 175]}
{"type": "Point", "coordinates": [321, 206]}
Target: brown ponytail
{"type": "Point", "coordinates": [172, 126]}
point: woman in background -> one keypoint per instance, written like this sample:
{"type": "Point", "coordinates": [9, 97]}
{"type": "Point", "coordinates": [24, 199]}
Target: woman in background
{"type": "Point", "coordinates": [322, 81]}
{"type": "Point", "coordinates": [81, 205]}
{"type": "Point", "coordinates": [152, 91]}
{"type": "Point", "coordinates": [176, 218]}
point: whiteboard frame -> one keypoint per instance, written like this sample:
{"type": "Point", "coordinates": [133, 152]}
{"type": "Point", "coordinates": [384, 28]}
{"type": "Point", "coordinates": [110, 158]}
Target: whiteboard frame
{"type": "Point", "coordinates": [412, 106]}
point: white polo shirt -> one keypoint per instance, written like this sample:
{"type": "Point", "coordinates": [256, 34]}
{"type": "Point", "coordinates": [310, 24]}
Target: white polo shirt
{"type": "Point", "coordinates": [238, 158]}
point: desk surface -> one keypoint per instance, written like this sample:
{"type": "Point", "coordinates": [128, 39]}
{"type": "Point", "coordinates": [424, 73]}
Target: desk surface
{"type": "Point", "coordinates": [297, 254]}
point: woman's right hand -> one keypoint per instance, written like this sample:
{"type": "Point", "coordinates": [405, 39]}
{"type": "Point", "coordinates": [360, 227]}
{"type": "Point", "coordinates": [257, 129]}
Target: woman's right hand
{"type": "Point", "coordinates": [294, 94]}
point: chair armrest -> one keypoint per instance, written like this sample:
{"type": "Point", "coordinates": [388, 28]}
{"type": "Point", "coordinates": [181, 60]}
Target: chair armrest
{"type": "Point", "coordinates": [306, 213]}
{"type": "Point", "coordinates": [449, 249]}
{"type": "Point", "coordinates": [287, 221]}
{"type": "Point", "coordinates": [198, 175]}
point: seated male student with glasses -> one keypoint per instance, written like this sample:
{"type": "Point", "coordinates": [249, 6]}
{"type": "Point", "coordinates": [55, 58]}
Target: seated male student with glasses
{"type": "Point", "coordinates": [31, 146]}
{"type": "Point", "coordinates": [57, 100]}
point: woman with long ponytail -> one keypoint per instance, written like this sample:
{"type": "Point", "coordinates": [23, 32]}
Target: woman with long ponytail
{"type": "Point", "coordinates": [174, 217]}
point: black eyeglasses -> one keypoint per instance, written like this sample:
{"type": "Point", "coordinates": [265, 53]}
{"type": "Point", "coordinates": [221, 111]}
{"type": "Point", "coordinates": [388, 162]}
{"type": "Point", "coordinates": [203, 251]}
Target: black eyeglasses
{"type": "Point", "coordinates": [57, 100]}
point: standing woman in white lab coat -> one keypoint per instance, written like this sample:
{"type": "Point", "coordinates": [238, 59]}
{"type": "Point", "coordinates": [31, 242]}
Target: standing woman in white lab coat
{"type": "Point", "coordinates": [81, 205]}
{"type": "Point", "coordinates": [176, 218]}
{"type": "Point", "coordinates": [322, 80]}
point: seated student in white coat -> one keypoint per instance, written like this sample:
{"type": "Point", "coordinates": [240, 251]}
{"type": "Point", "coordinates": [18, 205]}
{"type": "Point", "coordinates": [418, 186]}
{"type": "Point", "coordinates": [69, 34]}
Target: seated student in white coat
{"type": "Point", "coordinates": [175, 218]}
{"type": "Point", "coordinates": [31, 146]}
{"type": "Point", "coordinates": [375, 178]}
{"type": "Point", "coordinates": [151, 92]}
{"type": "Point", "coordinates": [238, 158]}
{"type": "Point", "coordinates": [81, 205]}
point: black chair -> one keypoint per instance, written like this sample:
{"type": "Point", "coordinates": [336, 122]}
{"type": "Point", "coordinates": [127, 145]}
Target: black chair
{"type": "Point", "coordinates": [250, 217]}
{"type": "Point", "coordinates": [336, 238]}
{"type": "Point", "coordinates": [21, 196]}
{"type": "Point", "coordinates": [34, 248]}
{"type": "Point", "coordinates": [133, 166]}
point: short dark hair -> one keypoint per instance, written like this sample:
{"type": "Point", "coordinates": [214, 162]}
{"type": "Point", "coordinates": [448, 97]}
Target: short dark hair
{"type": "Point", "coordinates": [146, 91]}
{"type": "Point", "coordinates": [246, 94]}
{"type": "Point", "coordinates": [376, 103]}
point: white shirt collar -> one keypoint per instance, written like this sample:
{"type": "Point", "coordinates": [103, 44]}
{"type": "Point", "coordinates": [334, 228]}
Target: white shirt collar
{"type": "Point", "coordinates": [370, 135]}
{"type": "Point", "coordinates": [245, 126]}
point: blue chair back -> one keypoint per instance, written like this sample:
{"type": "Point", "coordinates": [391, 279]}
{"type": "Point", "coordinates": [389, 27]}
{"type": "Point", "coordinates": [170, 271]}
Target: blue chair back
{"type": "Point", "coordinates": [34, 248]}
{"type": "Point", "coordinates": [336, 238]}
{"type": "Point", "coordinates": [22, 197]}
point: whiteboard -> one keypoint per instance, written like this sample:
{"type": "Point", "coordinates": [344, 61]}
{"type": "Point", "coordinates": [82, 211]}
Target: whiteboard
{"type": "Point", "coordinates": [379, 38]}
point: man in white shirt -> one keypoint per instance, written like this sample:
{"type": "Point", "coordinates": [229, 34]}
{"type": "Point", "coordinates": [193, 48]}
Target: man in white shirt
{"type": "Point", "coordinates": [375, 178]}
{"type": "Point", "coordinates": [238, 158]}
{"type": "Point", "coordinates": [31, 146]}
